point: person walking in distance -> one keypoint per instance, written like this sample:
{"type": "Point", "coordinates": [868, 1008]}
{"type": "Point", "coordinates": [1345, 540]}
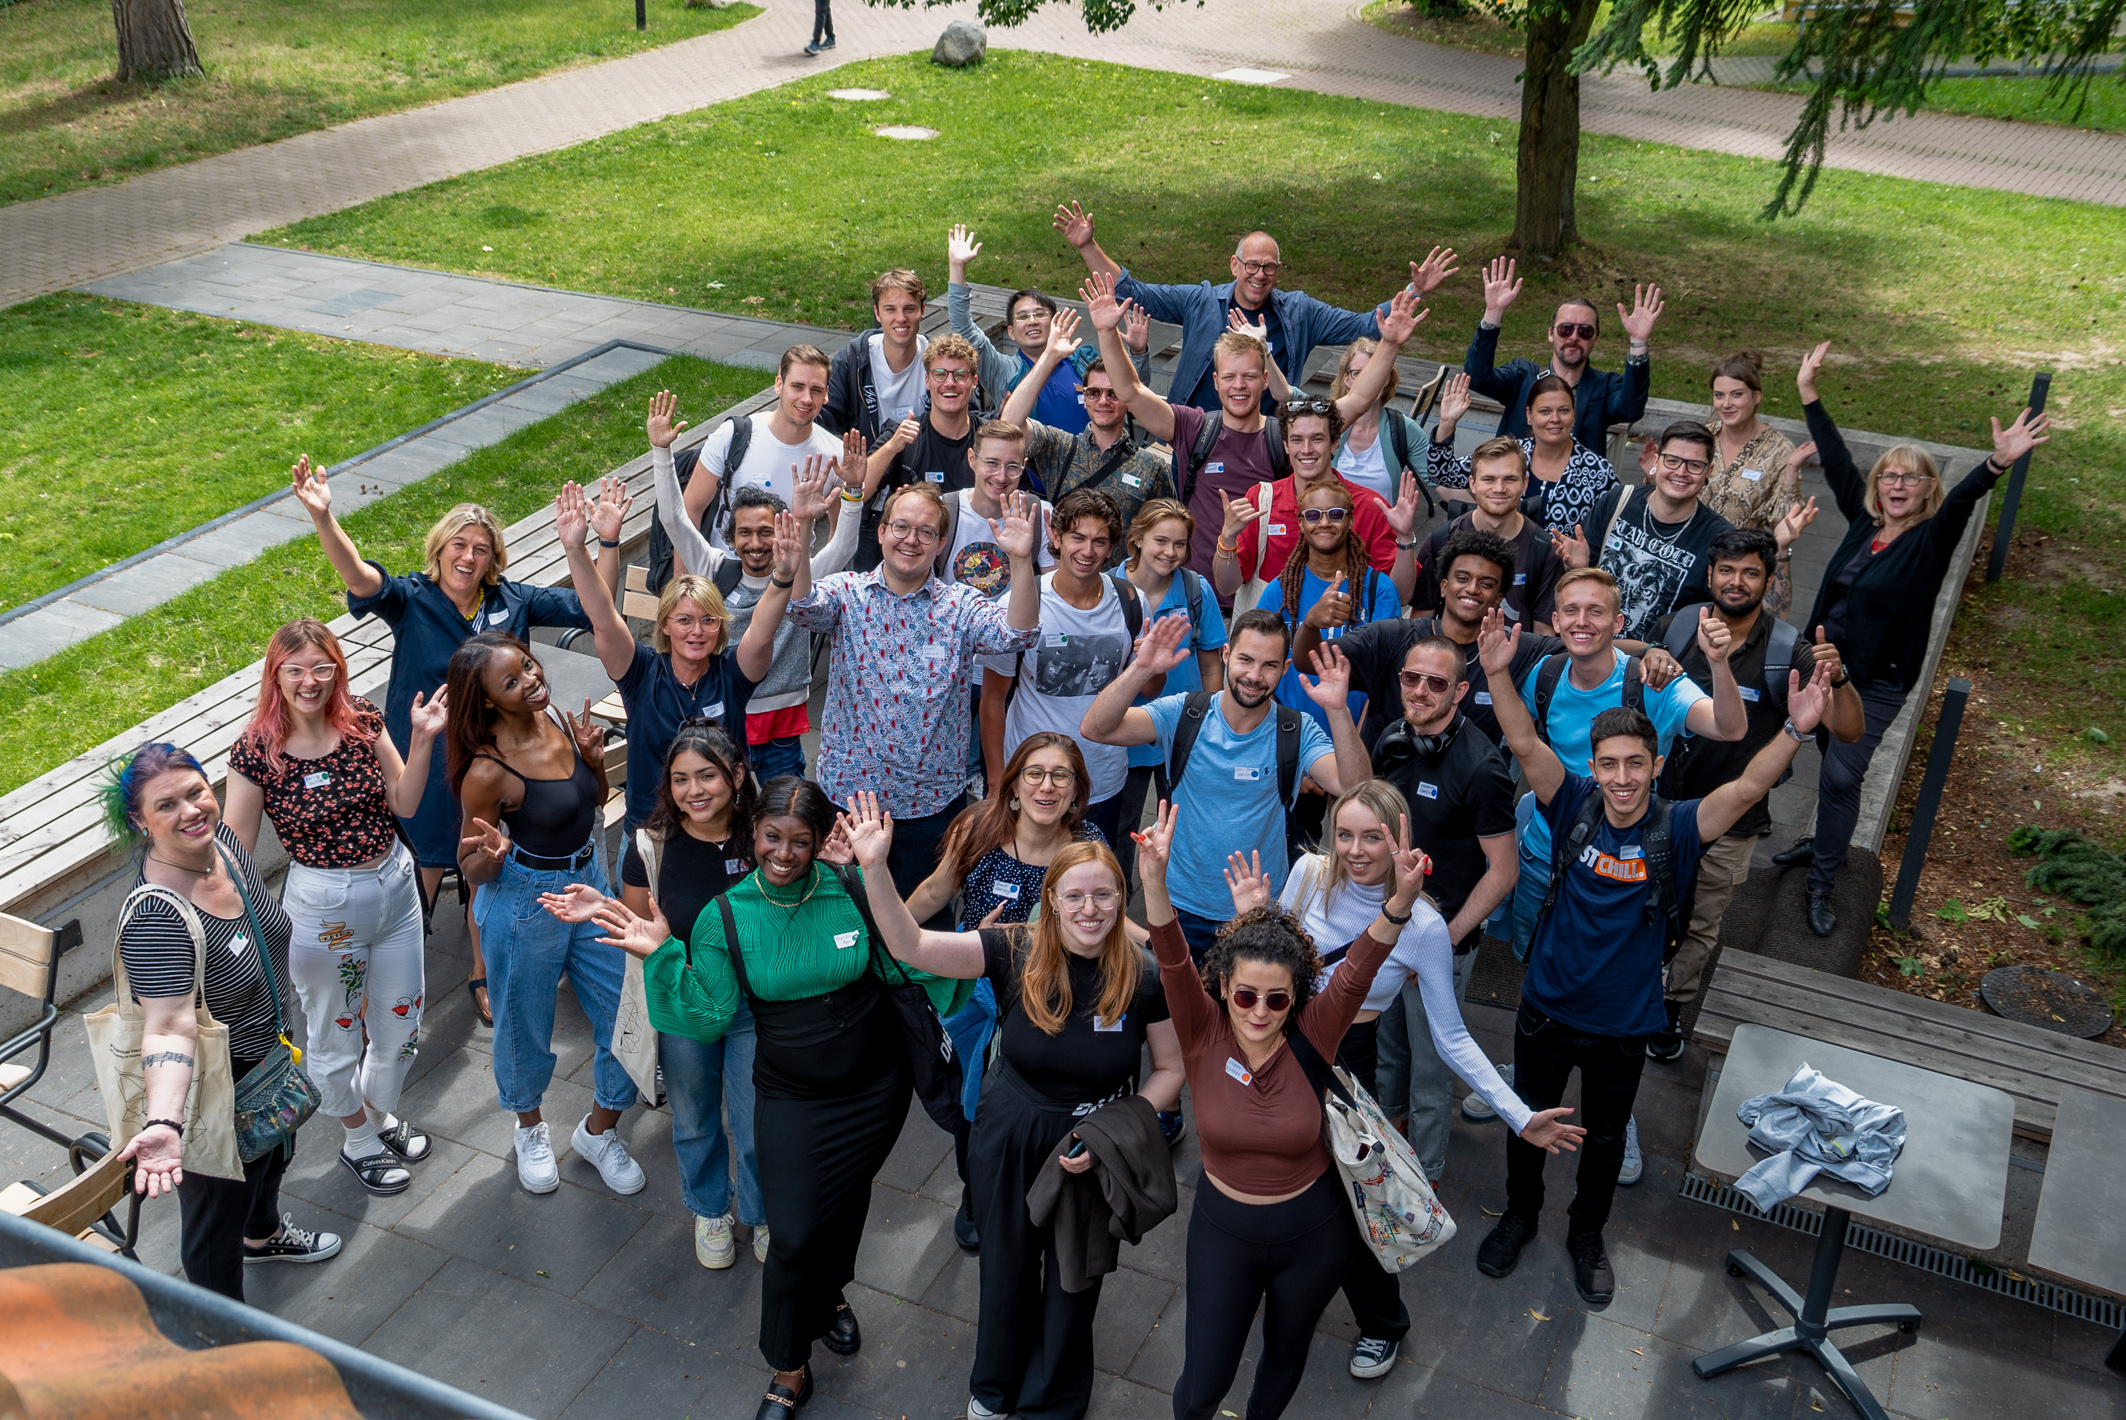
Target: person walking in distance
{"type": "Point", "coordinates": [822, 26]}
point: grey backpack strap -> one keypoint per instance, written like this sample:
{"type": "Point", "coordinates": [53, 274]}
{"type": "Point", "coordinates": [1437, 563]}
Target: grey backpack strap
{"type": "Point", "coordinates": [1779, 659]}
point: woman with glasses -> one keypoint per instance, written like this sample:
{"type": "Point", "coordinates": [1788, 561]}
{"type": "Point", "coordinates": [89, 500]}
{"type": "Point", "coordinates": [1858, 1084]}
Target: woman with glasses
{"type": "Point", "coordinates": [316, 761]}
{"type": "Point", "coordinates": [1565, 477]}
{"type": "Point", "coordinates": [1756, 478]}
{"type": "Point", "coordinates": [1080, 1006]}
{"type": "Point", "coordinates": [1876, 600]}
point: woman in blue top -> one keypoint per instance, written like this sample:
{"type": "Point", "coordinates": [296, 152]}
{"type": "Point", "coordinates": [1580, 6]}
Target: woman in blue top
{"type": "Point", "coordinates": [459, 594]}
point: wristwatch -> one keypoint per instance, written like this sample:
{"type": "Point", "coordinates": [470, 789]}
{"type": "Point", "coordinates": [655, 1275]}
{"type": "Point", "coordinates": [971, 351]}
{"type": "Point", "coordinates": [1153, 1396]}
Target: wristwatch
{"type": "Point", "coordinates": [1794, 732]}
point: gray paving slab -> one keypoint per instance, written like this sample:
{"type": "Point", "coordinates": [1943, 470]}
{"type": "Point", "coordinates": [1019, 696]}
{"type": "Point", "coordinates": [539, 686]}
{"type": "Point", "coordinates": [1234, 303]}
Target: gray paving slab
{"type": "Point", "coordinates": [50, 630]}
{"type": "Point", "coordinates": [233, 544]}
{"type": "Point", "coordinates": [146, 584]}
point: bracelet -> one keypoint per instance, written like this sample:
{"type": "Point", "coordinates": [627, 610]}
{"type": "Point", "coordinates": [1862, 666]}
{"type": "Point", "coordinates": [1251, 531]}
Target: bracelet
{"type": "Point", "coordinates": [1405, 546]}
{"type": "Point", "coordinates": [170, 1124]}
{"type": "Point", "coordinates": [853, 495]}
{"type": "Point", "coordinates": [1401, 921]}
{"type": "Point", "coordinates": [1224, 551]}
{"type": "Point", "coordinates": [1786, 557]}
{"type": "Point", "coordinates": [608, 542]}
{"type": "Point", "coordinates": [1794, 732]}
{"type": "Point", "coordinates": [776, 581]}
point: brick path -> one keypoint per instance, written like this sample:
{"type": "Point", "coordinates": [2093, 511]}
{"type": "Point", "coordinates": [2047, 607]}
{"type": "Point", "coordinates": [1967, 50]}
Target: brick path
{"type": "Point", "coordinates": [79, 237]}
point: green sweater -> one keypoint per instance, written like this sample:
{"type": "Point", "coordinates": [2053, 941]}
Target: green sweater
{"type": "Point", "coordinates": [792, 953]}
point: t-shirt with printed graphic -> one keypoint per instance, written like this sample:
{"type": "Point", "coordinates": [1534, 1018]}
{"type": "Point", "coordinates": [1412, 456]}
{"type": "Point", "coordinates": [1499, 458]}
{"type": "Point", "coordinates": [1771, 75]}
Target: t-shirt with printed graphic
{"type": "Point", "coordinates": [1654, 562]}
{"type": "Point", "coordinates": [1079, 654]}
{"type": "Point", "coordinates": [1595, 962]}
{"type": "Point", "coordinates": [975, 558]}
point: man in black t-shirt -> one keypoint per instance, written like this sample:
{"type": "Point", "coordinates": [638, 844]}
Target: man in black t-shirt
{"type": "Point", "coordinates": [1498, 476]}
{"type": "Point", "coordinates": [929, 448]}
{"type": "Point", "coordinates": [1461, 814]}
{"type": "Point", "coordinates": [1653, 538]}
{"type": "Point", "coordinates": [1742, 562]}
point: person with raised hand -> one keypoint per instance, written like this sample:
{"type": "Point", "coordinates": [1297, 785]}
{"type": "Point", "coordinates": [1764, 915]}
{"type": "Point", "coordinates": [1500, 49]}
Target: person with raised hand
{"type": "Point", "coordinates": [1592, 998]}
{"type": "Point", "coordinates": [1603, 397]}
{"type": "Point", "coordinates": [315, 760]}
{"type": "Point", "coordinates": [1876, 599]}
{"type": "Point", "coordinates": [460, 593]}
{"type": "Point", "coordinates": [1078, 1007]}
{"type": "Point", "coordinates": [1271, 1228]}
{"type": "Point", "coordinates": [1380, 444]}
{"type": "Point", "coordinates": [1103, 454]}
{"type": "Point", "coordinates": [1566, 476]}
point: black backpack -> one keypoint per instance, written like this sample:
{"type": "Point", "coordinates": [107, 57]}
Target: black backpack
{"type": "Point", "coordinates": [1662, 903]}
{"type": "Point", "coordinates": [1195, 707]}
{"type": "Point", "coordinates": [1546, 688]}
{"type": "Point", "coordinates": [1778, 651]}
{"type": "Point", "coordinates": [1207, 438]}
{"type": "Point", "coordinates": [659, 567]}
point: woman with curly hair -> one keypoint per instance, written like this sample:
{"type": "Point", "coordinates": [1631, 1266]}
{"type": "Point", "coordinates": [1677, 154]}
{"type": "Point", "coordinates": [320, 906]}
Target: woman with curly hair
{"type": "Point", "coordinates": [316, 761]}
{"type": "Point", "coordinates": [1270, 1227]}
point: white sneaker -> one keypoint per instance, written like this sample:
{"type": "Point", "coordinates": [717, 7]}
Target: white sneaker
{"type": "Point", "coordinates": [713, 1248]}
{"type": "Point", "coordinates": [978, 1411]}
{"type": "Point", "coordinates": [606, 1153]}
{"type": "Point", "coordinates": [1634, 1165]}
{"type": "Point", "coordinates": [1478, 1109]}
{"type": "Point", "coordinates": [536, 1169]}
{"type": "Point", "coordinates": [760, 1244]}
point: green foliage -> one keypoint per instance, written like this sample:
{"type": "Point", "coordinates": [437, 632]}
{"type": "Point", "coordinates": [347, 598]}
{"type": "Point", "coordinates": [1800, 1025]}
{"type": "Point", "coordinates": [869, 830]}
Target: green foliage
{"type": "Point", "coordinates": [2074, 867]}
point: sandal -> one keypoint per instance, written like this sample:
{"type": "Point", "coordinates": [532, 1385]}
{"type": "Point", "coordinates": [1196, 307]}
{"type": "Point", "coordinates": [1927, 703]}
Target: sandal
{"type": "Point", "coordinates": [382, 1174]}
{"type": "Point", "coordinates": [406, 1141]}
{"type": "Point", "coordinates": [473, 988]}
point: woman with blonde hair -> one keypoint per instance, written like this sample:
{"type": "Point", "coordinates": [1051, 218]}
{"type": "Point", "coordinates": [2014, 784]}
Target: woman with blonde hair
{"type": "Point", "coordinates": [1756, 477]}
{"type": "Point", "coordinates": [1876, 600]}
{"type": "Point", "coordinates": [459, 593]}
{"type": "Point", "coordinates": [1381, 443]}
{"type": "Point", "coordinates": [315, 760]}
{"type": "Point", "coordinates": [1079, 1006]}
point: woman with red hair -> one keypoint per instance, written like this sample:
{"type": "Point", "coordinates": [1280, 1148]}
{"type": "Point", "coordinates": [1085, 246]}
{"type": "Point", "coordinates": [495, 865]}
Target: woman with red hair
{"type": "Point", "coordinates": [314, 760]}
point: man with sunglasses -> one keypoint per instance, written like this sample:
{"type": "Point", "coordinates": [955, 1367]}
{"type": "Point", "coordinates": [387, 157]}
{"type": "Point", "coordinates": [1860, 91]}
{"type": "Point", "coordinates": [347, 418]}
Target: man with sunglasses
{"type": "Point", "coordinates": [1600, 397]}
{"type": "Point", "coordinates": [1101, 456]}
{"type": "Point", "coordinates": [929, 446]}
{"type": "Point", "coordinates": [1293, 322]}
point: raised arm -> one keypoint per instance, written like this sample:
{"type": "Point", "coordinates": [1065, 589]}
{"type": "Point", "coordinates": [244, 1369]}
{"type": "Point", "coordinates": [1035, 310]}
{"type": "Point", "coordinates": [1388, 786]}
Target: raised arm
{"type": "Point", "coordinates": [793, 533]}
{"type": "Point", "coordinates": [1501, 289]}
{"type": "Point", "coordinates": [308, 482]}
{"type": "Point", "coordinates": [847, 515]}
{"type": "Point", "coordinates": [682, 521]}
{"type": "Point", "coordinates": [1154, 413]}
{"type": "Point", "coordinates": [1279, 387]}
{"type": "Point", "coordinates": [1495, 647]}
{"type": "Point", "coordinates": [1839, 470]}
{"type": "Point", "coordinates": [1719, 810]}
{"type": "Point", "coordinates": [1723, 717]}
{"type": "Point", "coordinates": [1331, 690]}
{"type": "Point", "coordinates": [1076, 225]}
{"type": "Point", "coordinates": [1111, 719]}
{"type": "Point", "coordinates": [1396, 327]}
{"type": "Point", "coordinates": [993, 368]}
{"type": "Point", "coordinates": [406, 781]}
{"type": "Point", "coordinates": [870, 833]}
{"type": "Point", "coordinates": [616, 645]}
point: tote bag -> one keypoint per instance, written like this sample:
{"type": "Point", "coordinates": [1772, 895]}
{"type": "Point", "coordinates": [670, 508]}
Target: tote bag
{"type": "Point", "coordinates": [1400, 1218]}
{"type": "Point", "coordinates": [114, 1046]}
{"type": "Point", "coordinates": [634, 1038]}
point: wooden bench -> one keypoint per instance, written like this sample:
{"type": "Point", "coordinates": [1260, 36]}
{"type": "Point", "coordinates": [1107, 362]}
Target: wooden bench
{"type": "Point", "coordinates": [2035, 1067]}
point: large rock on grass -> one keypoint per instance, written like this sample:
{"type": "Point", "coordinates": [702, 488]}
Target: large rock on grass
{"type": "Point", "coordinates": [964, 42]}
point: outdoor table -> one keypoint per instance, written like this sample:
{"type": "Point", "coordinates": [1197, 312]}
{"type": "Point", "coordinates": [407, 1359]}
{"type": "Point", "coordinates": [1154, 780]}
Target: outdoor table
{"type": "Point", "coordinates": [1949, 1182]}
{"type": "Point", "coordinates": [2080, 1233]}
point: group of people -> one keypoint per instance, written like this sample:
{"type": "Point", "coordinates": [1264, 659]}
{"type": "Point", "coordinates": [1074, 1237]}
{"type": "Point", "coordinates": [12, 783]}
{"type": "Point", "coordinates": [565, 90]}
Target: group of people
{"type": "Point", "coordinates": [1084, 640]}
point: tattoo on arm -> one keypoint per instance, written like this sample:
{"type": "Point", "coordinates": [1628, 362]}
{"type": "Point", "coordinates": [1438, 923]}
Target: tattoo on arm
{"type": "Point", "coordinates": [165, 1057]}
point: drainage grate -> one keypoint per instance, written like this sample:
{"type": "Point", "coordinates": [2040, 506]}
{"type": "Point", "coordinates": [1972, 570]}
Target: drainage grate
{"type": "Point", "coordinates": [2099, 1311]}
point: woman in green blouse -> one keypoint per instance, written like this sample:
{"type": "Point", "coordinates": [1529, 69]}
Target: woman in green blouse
{"type": "Point", "coordinates": [830, 1072]}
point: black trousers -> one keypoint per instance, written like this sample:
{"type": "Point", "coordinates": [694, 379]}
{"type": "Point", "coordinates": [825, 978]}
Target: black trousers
{"type": "Point", "coordinates": [1033, 1346]}
{"type": "Point", "coordinates": [1375, 1294]}
{"type": "Point", "coordinates": [1544, 1055]}
{"type": "Point", "coordinates": [822, 21]}
{"type": "Point", "coordinates": [217, 1214]}
{"type": "Point", "coordinates": [1287, 1257]}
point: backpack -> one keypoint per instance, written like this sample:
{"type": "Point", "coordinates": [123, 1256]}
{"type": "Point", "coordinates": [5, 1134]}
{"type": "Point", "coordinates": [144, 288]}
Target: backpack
{"type": "Point", "coordinates": [1195, 707]}
{"type": "Point", "coordinates": [1395, 429]}
{"type": "Point", "coordinates": [1778, 651]}
{"type": "Point", "coordinates": [1662, 903]}
{"type": "Point", "coordinates": [685, 462]}
{"type": "Point", "coordinates": [1546, 688]}
{"type": "Point", "coordinates": [1207, 438]}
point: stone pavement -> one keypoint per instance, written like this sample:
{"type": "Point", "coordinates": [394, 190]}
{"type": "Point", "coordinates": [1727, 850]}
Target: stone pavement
{"type": "Point", "coordinates": [57, 242]}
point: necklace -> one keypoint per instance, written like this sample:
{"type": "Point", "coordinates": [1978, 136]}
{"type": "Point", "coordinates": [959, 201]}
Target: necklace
{"type": "Point", "coordinates": [206, 872]}
{"type": "Point", "coordinates": [767, 892]}
{"type": "Point", "coordinates": [1646, 524]}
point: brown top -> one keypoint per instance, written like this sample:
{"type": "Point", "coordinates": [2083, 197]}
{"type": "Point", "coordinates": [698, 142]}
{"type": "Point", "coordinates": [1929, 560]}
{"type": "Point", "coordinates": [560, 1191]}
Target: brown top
{"type": "Point", "coordinates": [1260, 1130]}
{"type": "Point", "coordinates": [1748, 490]}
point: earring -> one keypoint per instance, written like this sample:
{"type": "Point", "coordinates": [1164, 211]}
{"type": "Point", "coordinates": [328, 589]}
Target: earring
{"type": "Point", "coordinates": [1014, 803]}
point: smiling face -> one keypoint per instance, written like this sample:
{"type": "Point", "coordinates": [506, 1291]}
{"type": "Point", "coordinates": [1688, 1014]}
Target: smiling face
{"type": "Point", "coordinates": [998, 466]}
{"type": "Point", "coordinates": [1625, 767]}
{"type": "Point", "coordinates": [514, 682]}
{"type": "Point", "coordinates": [901, 536]}
{"type": "Point", "coordinates": [1165, 547]}
{"type": "Point", "coordinates": [1682, 468]}
{"type": "Point", "coordinates": [1469, 588]}
{"type": "Point", "coordinates": [1432, 685]}
{"type": "Point", "coordinates": [1047, 787]}
{"type": "Point", "coordinates": [700, 788]}
{"type": "Point", "coordinates": [1587, 617]}
{"type": "Point", "coordinates": [898, 313]}
{"type": "Point", "coordinates": [1738, 584]}
{"type": "Point", "coordinates": [1082, 548]}
{"type": "Point", "coordinates": [1240, 378]}
{"type": "Point", "coordinates": [784, 847]}
{"type": "Point", "coordinates": [1029, 326]}
{"type": "Point", "coordinates": [951, 382]}
{"type": "Point", "coordinates": [1329, 527]}
{"type": "Point", "coordinates": [753, 539]}
{"type": "Point", "coordinates": [1254, 663]}
{"type": "Point", "coordinates": [1571, 335]}
{"type": "Point", "coordinates": [1255, 269]}
{"type": "Point", "coordinates": [693, 634]}
{"type": "Point", "coordinates": [1497, 485]}
{"type": "Point", "coordinates": [1550, 419]}
{"type": "Point", "coordinates": [177, 810]}
{"type": "Point", "coordinates": [307, 677]}
{"type": "Point", "coordinates": [463, 562]}
{"type": "Point", "coordinates": [1103, 407]}
{"type": "Point", "coordinates": [1308, 445]}
{"type": "Point", "coordinates": [1258, 1025]}
{"type": "Point", "coordinates": [1087, 901]}
{"type": "Point", "coordinates": [1735, 403]}
{"type": "Point", "coordinates": [801, 392]}
{"type": "Point", "coordinates": [1362, 842]}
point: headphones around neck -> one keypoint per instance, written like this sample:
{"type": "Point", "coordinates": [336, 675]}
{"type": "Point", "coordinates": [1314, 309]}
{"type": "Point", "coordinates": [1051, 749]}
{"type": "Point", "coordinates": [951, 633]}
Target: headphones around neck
{"type": "Point", "coordinates": [1399, 744]}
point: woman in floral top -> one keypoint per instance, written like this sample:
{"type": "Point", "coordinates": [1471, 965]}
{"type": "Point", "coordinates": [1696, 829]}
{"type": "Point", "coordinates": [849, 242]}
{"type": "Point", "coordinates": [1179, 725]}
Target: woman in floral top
{"type": "Point", "coordinates": [1566, 478]}
{"type": "Point", "coordinates": [1756, 478]}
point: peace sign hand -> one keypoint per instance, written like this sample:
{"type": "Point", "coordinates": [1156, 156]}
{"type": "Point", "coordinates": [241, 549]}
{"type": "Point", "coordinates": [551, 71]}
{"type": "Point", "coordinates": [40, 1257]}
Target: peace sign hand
{"type": "Point", "coordinates": [1411, 867]}
{"type": "Point", "coordinates": [588, 735]}
{"type": "Point", "coordinates": [1155, 845]}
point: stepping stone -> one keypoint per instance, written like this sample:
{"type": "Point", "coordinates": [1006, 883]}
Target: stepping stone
{"type": "Point", "coordinates": [908, 131]}
{"type": "Point", "coordinates": [858, 95]}
{"type": "Point", "coordinates": [1251, 76]}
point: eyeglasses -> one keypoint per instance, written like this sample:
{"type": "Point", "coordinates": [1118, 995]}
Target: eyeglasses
{"type": "Point", "coordinates": [1245, 998]}
{"type": "Point", "coordinates": [1676, 463]}
{"type": "Point", "coordinates": [681, 621]}
{"type": "Point", "coordinates": [1000, 466]}
{"type": "Point", "coordinates": [323, 675]}
{"type": "Point", "coordinates": [900, 529]}
{"type": "Point", "coordinates": [1102, 898]}
{"type": "Point", "coordinates": [1061, 778]}
{"type": "Point", "coordinates": [1311, 516]}
{"type": "Point", "coordinates": [949, 375]}
{"type": "Point", "coordinates": [1567, 330]}
{"type": "Point", "coordinates": [1418, 680]}
{"type": "Point", "coordinates": [1902, 478]}
{"type": "Point", "coordinates": [1262, 268]}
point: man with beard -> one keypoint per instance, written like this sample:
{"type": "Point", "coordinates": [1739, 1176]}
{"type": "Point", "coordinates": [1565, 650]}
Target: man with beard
{"type": "Point", "coordinates": [1498, 477]}
{"type": "Point", "coordinates": [1601, 397]}
{"type": "Point", "coordinates": [1763, 650]}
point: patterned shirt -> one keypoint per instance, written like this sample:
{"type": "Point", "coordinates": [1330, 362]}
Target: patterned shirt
{"type": "Point", "coordinates": [1062, 462]}
{"type": "Point", "coordinates": [1560, 505]}
{"type": "Point", "coordinates": [898, 680]}
{"type": "Point", "coordinates": [1750, 490]}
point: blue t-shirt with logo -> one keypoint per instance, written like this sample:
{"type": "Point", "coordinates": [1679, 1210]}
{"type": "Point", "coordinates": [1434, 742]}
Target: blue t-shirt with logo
{"type": "Point", "coordinates": [1206, 635]}
{"type": "Point", "coordinates": [1058, 405]}
{"type": "Point", "coordinates": [1595, 962]}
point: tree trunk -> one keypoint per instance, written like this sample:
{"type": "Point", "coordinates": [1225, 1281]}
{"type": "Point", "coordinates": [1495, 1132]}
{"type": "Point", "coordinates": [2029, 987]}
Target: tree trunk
{"type": "Point", "coordinates": [1549, 161]}
{"type": "Point", "coordinates": [154, 40]}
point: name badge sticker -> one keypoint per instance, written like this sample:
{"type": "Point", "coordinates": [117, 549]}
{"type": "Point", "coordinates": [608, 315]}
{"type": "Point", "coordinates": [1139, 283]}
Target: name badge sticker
{"type": "Point", "coordinates": [1749, 693]}
{"type": "Point", "coordinates": [237, 944]}
{"type": "Point", "coordinates": [1754, 475]}
{"type": "Point", "coordinates": [1113, 1025]}
{"type": "Point", "coordinates": [316, 781]}
{"type": "Point", "coordinates": [1248, 776]}
{"type": "Point", "coordinates": [1631, 850]}
{"type": "Point", "coordinates": [1215, 466]}
{"type": "Point", "coordinates": [498, 618]}
{"type": "Point", "coordinates": [734, 866]}
{"type": "Point", "coordinates": [935, 651]}
{"type": "Point", "coordinates": [1427, 791]}
{"type": "Point", "coordinates": [713, 712]}
{"type": "Point", "coordinates": [1006, 890]}
{"type": "Point", "coordinates": [1132, 480]}
{"type": "Point", "coordinates": [1483, 697]}
{"type": "Point", "coordinates": [845, 940]}
{"type": "Point", "coordinates": [935, 475]}
{"type": "Point", "coordinates": [1059, 638]}
{"type": "Point", "coordinates": [1520, 579]}
{"type": "Point", "coordinates": [1238, 1071]}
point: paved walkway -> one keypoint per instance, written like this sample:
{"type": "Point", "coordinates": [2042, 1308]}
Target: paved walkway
{"type": "Point", "coordinates": [80, 237]}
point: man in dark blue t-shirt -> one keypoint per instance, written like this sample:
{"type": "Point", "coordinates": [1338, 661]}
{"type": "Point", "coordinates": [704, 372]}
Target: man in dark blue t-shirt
{"type": "Point", "coordinates": [1593, 991]}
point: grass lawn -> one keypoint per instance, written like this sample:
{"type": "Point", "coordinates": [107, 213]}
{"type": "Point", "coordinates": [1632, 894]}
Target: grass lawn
{"type": "Point", "coordinates": [280, 67]}
{"type": "Point", "coordinates": [52, 711]}
{"type": "Point", "coordinates": [128, 424]}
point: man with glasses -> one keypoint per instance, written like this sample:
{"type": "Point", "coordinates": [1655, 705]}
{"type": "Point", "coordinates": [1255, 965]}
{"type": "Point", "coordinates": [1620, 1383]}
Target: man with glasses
{"type": "Point", "coordinates": [1101, 456]}
{"type": "Point", "coordinates": [1292, 322]}
{"type": "Point", "coordinates": [905, 650]}
{"type": "Point", "coordinates": [1600, 397]}
{"type": "Point", "coordinates": [929, 446]}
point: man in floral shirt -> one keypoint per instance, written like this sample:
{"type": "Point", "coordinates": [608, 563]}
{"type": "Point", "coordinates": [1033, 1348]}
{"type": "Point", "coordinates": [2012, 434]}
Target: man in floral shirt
{"type": "Point", "coordinates": [905, 654]}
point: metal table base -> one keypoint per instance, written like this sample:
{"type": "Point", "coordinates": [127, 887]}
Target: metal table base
{"type": "Point", "coordinates": [1814, 1318]}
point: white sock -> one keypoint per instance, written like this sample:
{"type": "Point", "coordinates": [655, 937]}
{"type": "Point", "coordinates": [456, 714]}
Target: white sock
{"type": "Point", "coordinates": [380, 1118]}
{"type": "Point", "coordinates": [362, 1142]}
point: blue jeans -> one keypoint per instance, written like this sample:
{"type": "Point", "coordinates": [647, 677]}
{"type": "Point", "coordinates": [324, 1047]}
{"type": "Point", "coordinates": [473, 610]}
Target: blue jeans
{"type": "Point", "coordinates": [1199, 931]}
{"type": "Point", "coordinates": [528, 950]}
{"type": "Point", "coordinates": [778, 757]}
{"type": "Point", "coordinates": [970, 1028]}
{"type": "Point", "coordinates": [702, 1081]}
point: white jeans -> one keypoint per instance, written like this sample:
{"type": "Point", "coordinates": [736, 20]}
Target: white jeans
{"type": "Point", "coordinates": [355, 954]}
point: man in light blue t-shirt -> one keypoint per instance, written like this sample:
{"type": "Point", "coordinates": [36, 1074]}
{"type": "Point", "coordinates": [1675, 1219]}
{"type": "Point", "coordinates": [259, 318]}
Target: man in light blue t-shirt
{"type": "Point", "coordinates": [1227, 797]}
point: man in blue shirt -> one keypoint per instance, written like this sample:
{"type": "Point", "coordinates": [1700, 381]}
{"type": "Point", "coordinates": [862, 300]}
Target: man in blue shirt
{"type": "Point", "coordinates": [1592, 996]}
{"type": "Point", "coordinates": [1228, 791]}
{"type": "Point", "coordinates": [1292, 322]}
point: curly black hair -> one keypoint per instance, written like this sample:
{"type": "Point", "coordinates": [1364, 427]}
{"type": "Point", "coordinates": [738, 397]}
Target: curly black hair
{"type": "Point", "coordinates": [1273, 937]}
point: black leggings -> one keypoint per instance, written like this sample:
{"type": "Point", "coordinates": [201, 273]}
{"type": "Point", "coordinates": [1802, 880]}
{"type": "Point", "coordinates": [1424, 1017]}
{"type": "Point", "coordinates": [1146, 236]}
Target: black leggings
{"type": "Point", "coordinates": [1289, 1257]}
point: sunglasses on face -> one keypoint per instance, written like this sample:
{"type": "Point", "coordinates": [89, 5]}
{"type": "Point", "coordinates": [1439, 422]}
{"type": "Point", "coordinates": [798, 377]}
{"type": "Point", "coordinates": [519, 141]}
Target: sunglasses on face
{"type": "Point", "coordinates": [1418, 680]}
{"type": "Point", "coordinates": [1313, 517]}
{"type": "Point", "coordinates": [1093, 392]}
{"type": "Point", "coordinates": [1246, 997]}
{"type": "Point", "coordinates": [1568, 330]}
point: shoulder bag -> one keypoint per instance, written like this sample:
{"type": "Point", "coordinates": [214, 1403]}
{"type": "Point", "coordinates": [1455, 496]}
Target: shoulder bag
{"type": "Point", "coordinates": [1400, 1218]}
{"type": "Point", "coordinates": [275, 1097]}
{"type": "Point", "coordinates": [634, 1038]}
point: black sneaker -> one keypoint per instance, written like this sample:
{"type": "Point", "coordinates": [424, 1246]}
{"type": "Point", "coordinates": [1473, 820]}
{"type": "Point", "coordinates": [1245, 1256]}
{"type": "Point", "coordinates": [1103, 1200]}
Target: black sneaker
{"type": "Point", "coordinates": [293, 1244]}
{"type": "Point", "coordinates": [1667, 1046]}
{"type": "Point", "coordinates": [1499, 1253]}
{"type": "Point", "coordinates": [1591, 1276]}
{"type": "Point", "coordinates": [1372, 1357]}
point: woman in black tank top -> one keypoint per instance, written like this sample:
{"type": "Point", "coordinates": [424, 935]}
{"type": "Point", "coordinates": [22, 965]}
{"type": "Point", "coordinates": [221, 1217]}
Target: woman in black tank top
{"type": "Point", "coordinates": [516, 765]}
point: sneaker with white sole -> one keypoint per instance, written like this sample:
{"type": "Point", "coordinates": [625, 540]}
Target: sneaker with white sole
{"type": "Point", "coordinates": [536, 1169]}
{"type": "Point", "coordinates": [293, 1244]}
{"type": "Point", "coordinates": [760, 1244]}
{"type": "Point", "coordinates": [1478, 1109]}
{"type": "Point", "coordinates": [713, 1247]}
{"type": "Point", "coordinates": [1634, 1164]}
{"type": "Point", "coordinates": [1372, 1357]}
{"type": "Point", "coordinates": [978, 1411]}
{"type": "Point", "coordinates": [608, 1154]}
